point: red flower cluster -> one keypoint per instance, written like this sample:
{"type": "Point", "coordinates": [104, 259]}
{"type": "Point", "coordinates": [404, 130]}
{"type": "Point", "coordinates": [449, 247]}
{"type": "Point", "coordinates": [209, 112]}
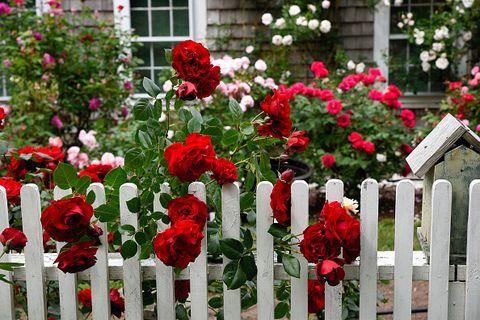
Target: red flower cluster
{"type": "Point", "coordinates": [96, 171]}
{"type": "Point", "coordinates": [278, 124]}
{"type": "Point", "coordinates": [69, 220]}
{"type": "Point", "coordinates": [328, 160]}
{"type": "Point", "coordinates": [319, 70]}
{"type": "Point", "coordinates": [311, 92]}
{"type": "Point", "coordinates": [357, 142]}
{"type": "Point", "coordinates": [188, 208]}
{"type": "Point", "coordinates": [117, 303]}
{"type": "Point", "coordinates": [280, 199]}
{"type": "Point", "coordinates": [13, 239]}
{"type": "Point", "coordinates": [322, 242]}
{"type": "Point", "coordinates": [408, 118]}
{"type": "Point", "coordinates": [30, 159]}
{"type": "Point", "coordinates": [298, 142]}
{"type": "Point", "coordinates": [12, 188]}
{"type": "Point", "coordinates": [2, 118]}
{"type": "Point", "coordinates": [196, 156]}
{"type": "Point", "coordinates": [334, 107]}
{"type": "Point", "coordinates": [391, 95]}
{"type": "Point", "coordinates": [191, 60]}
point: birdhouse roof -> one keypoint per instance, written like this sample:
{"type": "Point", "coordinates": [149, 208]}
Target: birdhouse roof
{"type": "Point", "coordinates": [445, 135]}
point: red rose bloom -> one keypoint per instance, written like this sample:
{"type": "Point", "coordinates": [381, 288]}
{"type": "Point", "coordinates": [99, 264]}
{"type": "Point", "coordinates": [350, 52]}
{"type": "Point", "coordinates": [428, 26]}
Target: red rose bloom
{"type": "Point", "coordinates": [391, 95]}
{"type": "Point", "coordinates": [351, 242]}
{"type": "Point", "coordinates": [182, 290]}
{"type": "Point", "coordinates": [405, 148]}
{"type": "Point", "coordinates": [188, 207]}
{"type": "Point", "coordinates": [328, 160]}
{"type": "Point", "coordinates": [19, 166]}
{"type": "Point", "coordinates": [78, 257]}
{"type": "Point", "coordinates": [319, 70]}
{"type": "Point", "coordinates": [319, 243]}
{"type": "Point", "coordinates": [356, 140]}
{"type": "Point", "coordinates": [96, 171]}
{"type": "Point", "coordinates": [190, 160]}
{"type": "Point", "coordinates": [191, 60]}
{"type": "Point", "coordinates": [343, 121]}
{"type": "Point", "coordinates": [298, 142]}
{"type": "Point", "coordinates": [67, 219]}
{"type": "Point", "coordinates": [330, 271]}
{"type": "Point", "coordinates": [208, 82]}
{"type": "Point", "coordinates": [117, 303]}
{"type": "Point", "coordinates": [13, 238]}
{"type": "Point", "coordinates": [326, 95]}
{"type": "Point", "coordinates": [280, 199]}
{"type": "Point", "coordinates": [375, 95]}
{"type": "Point", "coordinates": [85, 298]}
{"type": "Point", "coordinates": [336, 219]}
{"type": "Point", "coordinates": [12, 188]}
{"type": "Point", "coordinates": [316, 296]}
{"type": "Point", "coordinates": [368, 147]}
{"type": "Point", "coordinates": [277, 108]}
{"type": "Point", "coordinates": [224, 171]}
{"type": "Point", "coordinates": [408, 118]}
{"type": "Point", "coordinates": [187, 91]}
{"type": "Point", "coordinates": [334, 106]}
{"type": "Point", "coordinates": [179, 245]}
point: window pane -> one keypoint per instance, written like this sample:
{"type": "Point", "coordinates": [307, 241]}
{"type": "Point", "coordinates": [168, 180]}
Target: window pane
{"type": "Point", "coordinates": [395, 18]}
{"type": "Point", "coordinates": [180, 23]}
{"type": "Point", "coordinates": [143, 53]}
{"type": "Point", "coordinates": [161, 23]}
{"type": "Point", "coordinates": [180, 3]}
{"type": "Point", "coordinates": [160, 3]}
{"type": "Point", "coordinates": [159, 53]}
{"type": "Point", "coordinates": [421, 12]}
{"type": "Point", "coordinates": [138, 3]}
{"type": "Point", "coordinates": [140, 22]}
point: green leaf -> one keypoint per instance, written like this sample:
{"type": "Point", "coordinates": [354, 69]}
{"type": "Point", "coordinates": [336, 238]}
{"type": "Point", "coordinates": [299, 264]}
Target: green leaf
{"type": "Point", "coordinates": [144, 139]}
{"type": "Point", "coordinates": [129, 249]}
{"type": "Point", "coordinates": [168, 56]}
{"type": "Point", "coordinates": [194, 126]}
{"type": "Point", "coordinates": [231, 248]}
{"type": "Point", "coordinates": [107, 212]}
{"type": "Point", "coordinates": [143, 109]}
{"type": "Point", "coordinates": [126, 229]}
{"type": "Point", "coordinates": [247, 199]}
{"type": "Point", "coordinates": [152, 89]}
{"type": "Point", "coordinates": [281, 310]}
{"type": "Point", "coordinates": [180, 312]}
{"type": "Point", "coordinates": [141, 238]}
{"type": "Point", "coordinates": [91, 197]}
{"type": "Point", "coordinates": [277, 230]}
{"type": "Point", "coordinates": [82, 184]}
{"type": "Point", "coordinates": [235, 109]}
{"type": "Point", "coordinates": [291, 265]}
{"type": "Point", "coordinates": [230, 137]}
{"type": "Point", "coordinates": [134, 158]}
{"type": "Point", "coordinates": [248, 266]}
{"type": "Point", "coordinates": [215, 302]}
{"type": "Point", "coordinates": [233, 275]}
{"type": "Point", "coordinates": [65, 176]}
{"type": "Point", "coordinates": [165, 199]}
{"type": "Point", "coordinates": [196, 114]}
{"type": "Point", "coordinates": [115, 178]}
{"type": "Point", "coordinates": [247, 239]}
{"type": "Point", "coordinates": [134, 205]}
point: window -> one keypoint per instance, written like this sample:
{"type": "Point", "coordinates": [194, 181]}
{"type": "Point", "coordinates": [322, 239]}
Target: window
{"type": "Point", "coordinates": [160, 24]}
{"type": "Point", "coordinates": [397, 57]}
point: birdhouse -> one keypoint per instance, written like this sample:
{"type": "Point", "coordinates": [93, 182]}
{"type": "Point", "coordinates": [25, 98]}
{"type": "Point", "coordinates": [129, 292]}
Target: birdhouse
{"type": "Point", "coordinates": [451, 152]}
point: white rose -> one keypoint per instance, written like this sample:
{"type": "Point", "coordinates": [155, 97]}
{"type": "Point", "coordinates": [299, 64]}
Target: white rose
{"type": "Point", "coordinates": [409, 15]}
{"type": "Point", "coordinates": [325, 4]}
{"type": "Point", "coordinates": [277, 39]}
{"type": "Point", "coordinates": [249, 49]}
{"type": "Point", "coordinates": [437, 46]}
{"type": "Point", "coordinates": [386, 3]}
{"type": "Point", "coordinates": [411, 23]}
{"type": "Point", "coordinates": [425, 66]}
{"type": "Point", "coordinates": [301, 21]}
{"type": "Point", "coordinates": [360, 67]}
{"type": "Point", "coordinates": [246, 102]}
{"type": "Point", "coordinates": [260, 65]}
{"type": "Point", "coordinates": [350, 65]}
{"type": "Point", "coordinates": [441, 63]}
{"type": "Point", "coordinates": [294, 10]}
{"type": "Point", "coordinates": [312, 8]}
{"type": "Point", "coordinates": [259, 80]}
{"type": "Point", "coordinates": [287, 40]}
{"type": "Point", "coordinates": [280, 23]}
{"type": "Point", "coordinates": [325, 26]}
{"type": "Point", "coordinates": [400, 25]}
{"type": "Point", "coordinates": [398, 2]}
{"type": "Point", "coordinates": [467, 3]}
{"type": "Point", "coordinates": [419, 40]}
{"type": "Point", "coordinates": [424, 56]}
{"type": "Point", "coordinates": [381, 157]}
{"type": "Point", "coordinates": [167, 86]}
{"type": "Point", "coordinates": [467, 36]}
{"type": "Point", "coordinates": [313, 24]}
{"type": "Point", "coordinates": [267, 19]}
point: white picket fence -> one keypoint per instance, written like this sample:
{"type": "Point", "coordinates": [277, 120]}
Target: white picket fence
{"type": "Point", "coordinates": [454, 291]}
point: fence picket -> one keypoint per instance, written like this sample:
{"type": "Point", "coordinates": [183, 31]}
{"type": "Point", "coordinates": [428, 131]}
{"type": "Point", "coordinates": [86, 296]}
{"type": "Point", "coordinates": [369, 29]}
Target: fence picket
{"type": "Point", "coordinates": [198, 269]}
{"type": "Point", "coordinates": [472, 307]}
{"type": "Point", "coordinates": [31, 211]}
{"type": "Point", "coordinates": [265, 296]}
{"type": "Point", "coordinates": [368, 249]}
{"type": "Point", "coordinates": [231, 229]}
{"type": "Point", "coordinates": [404, 210]}
{"type": "Point", "coordinates": [99, 280]}
{"type": "Point", "coordinates": [439, 250]}
{"type": "Point", "coordinates": [299, 296]}
{"type": "Point", "coordinates": [132, 280]}
{"type": "Point", "coordinates": [163, 274]}
{"type": "Point", "coordinates": [6, 290]}
{"type": "Point", "coordinates": [333, 295]}
{"type": "Point", "coordinates": [67, 282]}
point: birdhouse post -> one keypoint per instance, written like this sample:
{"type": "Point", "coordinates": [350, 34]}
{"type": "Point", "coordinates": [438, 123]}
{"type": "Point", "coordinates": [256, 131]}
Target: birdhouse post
{"type": "Point", "coordinates": [451, 152]}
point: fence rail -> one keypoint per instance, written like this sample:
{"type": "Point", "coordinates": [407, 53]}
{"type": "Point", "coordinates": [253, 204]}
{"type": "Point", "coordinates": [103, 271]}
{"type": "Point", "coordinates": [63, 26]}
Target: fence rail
{"type": "Point", "coordinates": [454, 290]}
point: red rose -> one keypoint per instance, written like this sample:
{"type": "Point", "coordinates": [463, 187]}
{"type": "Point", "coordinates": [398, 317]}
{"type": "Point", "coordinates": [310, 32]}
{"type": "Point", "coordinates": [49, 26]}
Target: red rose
{"type": "Point", "coordinates": [375, 95]}
{"type": "Point", "coordinates": [48, 157]}
{"type": "Point", "coordinates": [187, 91]}
{"type": "Point", "coordinates": [85, 298]}
{"type": "Point", "coordinates": [277, 108]}
{"type": "Point", "coordinates": [351, 242]}
{"type": "Point", "coordinates": [405, 148]}
{"type": "Point", "coordinates": [96, 171]}
{"type": "Point", "coordinates": [343, 121]}
{"type": "Point", "coordinates": [454, 85]}
{"type": "Point", "coordinates": [67, 219]}
{"type": "Point", "coordinates": [190, 160]}
{"type": "Point", "coordinates": [19, 166]}
{"type": "Point", "coordinates": [188, 207]}
{"type": "Point", "coordinates": [191, 60]}
{"type": "Point", "coordinates": [208, 82]}
{"type": "Point", "coordinates": [368, 147]}
{"type": "Point", "coordinates": [13, 239]}
{"type": "Point", "coordinates": [319, 243]}
{"type": "Point", "coordinates": [391, 95]}
{"type": "Point", "coordinates": [182, 290]}
{"type": "Point", "coordinates": [78, 257]}
{"type": "Point", "coordinates": [12, 188]}
{"type": "Point", "coordinates": [334, 106]}
{"type": "Point", "coordinates": [319, 70]}
{"type": "Point", "coordinates": [316, 296]}
{"type": "Point", "coordinates": [356, 140]}
{"type": "Point", "coordinates": [224, 171]}
{"type": "Point", "coordinates": [298, 142]}
{"type": "Point", "coordinates": [326, 95]}
{"type": "Point", "coordinates": [408, 118]}
{"type": "Point", "coordinates": [280, 199]}
{"type": "Point", "coordinates": [117, 303]}
{"type": "Point", "coordinates": [330, 271]}
{"type": "Point", "coordinates": [336, 219]}
{"type": "Point", "coordinates": [179, 245]}
{"type": "Point", "coordinates": [328, 160]}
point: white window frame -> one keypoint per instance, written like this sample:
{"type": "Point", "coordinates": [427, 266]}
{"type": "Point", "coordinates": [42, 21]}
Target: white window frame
{"type": "Point", "coordinates": [381, 49]}
{"type": "Point", "coordinates": [197, 24]}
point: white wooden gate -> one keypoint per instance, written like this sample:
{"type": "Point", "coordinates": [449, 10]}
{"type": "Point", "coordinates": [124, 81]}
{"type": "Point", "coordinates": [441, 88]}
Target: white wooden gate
{"type": "Point", "coordinates": [454, 290]}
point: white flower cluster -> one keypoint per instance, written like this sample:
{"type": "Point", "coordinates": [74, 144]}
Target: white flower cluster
{"type": "Point", "coordinates": [441, 33]}
{"type": "Point", "coordinates": [396, 3]}
{"type": "Point", "coordinates": [441, 61]}
{"type": "Point", "coordinates": [359, 67]}
{"type": "Point", "coordinates": [407, 20]}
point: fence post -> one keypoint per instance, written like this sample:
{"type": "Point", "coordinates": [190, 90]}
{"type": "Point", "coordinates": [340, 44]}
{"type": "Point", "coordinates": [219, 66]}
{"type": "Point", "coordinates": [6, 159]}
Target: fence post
{"type": "Point", "coordinates": [6, 290]}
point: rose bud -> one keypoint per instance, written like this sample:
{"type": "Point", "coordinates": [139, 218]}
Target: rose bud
{"type": "Point", "coordinates": [287, 176]}
{"type": "Point", "coordinates": [187, 91]}
{"type": "Point", "coordinates": [13, 239]}
{"type": "Point", "coordinates": [330, 271]}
